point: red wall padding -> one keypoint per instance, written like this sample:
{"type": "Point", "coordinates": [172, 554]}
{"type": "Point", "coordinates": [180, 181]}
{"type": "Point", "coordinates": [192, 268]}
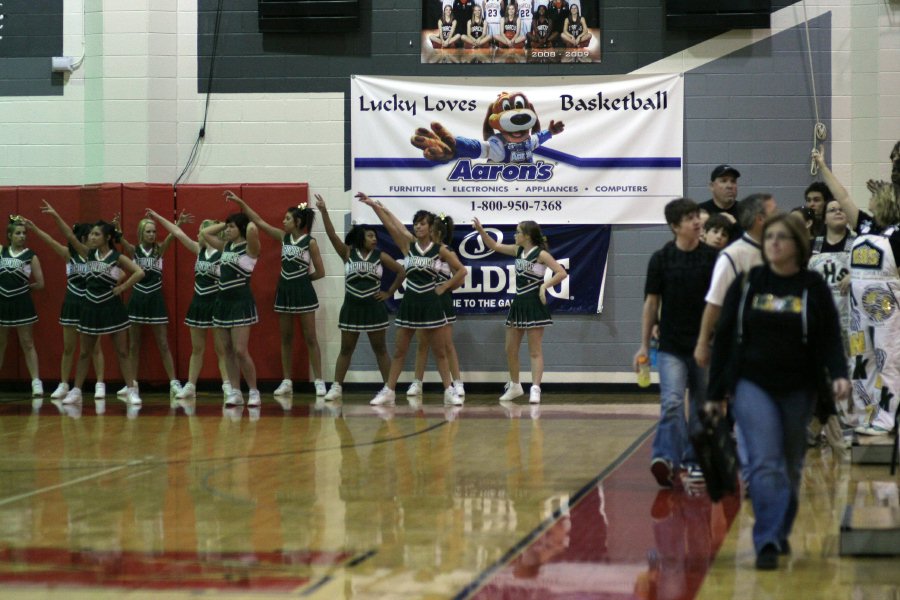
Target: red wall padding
{"type": "Point", "coordinates": [91, 203]}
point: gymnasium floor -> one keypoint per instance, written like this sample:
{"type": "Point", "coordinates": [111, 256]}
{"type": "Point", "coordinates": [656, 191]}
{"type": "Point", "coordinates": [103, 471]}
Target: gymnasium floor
{"type": "Point", "coordinates": [317, 500]}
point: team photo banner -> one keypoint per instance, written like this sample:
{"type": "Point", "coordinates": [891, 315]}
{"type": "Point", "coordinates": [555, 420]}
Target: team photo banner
{"type": "Point", "coordinates": [605, 150]}
{"type": "Point", "coordinates": [490, 284]}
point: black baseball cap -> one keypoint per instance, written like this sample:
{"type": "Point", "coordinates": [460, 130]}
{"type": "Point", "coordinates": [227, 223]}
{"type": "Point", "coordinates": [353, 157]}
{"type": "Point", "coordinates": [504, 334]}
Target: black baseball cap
{"type": "Point", "coordinates": [723, 170]}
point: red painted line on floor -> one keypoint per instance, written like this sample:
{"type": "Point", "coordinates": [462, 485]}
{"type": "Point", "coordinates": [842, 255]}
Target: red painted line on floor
{"type": "Point", "coordinates": [625, 539]}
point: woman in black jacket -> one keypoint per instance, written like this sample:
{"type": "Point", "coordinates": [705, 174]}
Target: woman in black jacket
{"type": "Point", "coordinates": [777, 337]}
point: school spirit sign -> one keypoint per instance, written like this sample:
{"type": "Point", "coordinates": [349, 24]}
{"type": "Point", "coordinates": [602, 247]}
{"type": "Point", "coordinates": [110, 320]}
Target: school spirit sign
{"type": "Point", "coordinates": [604, 150]}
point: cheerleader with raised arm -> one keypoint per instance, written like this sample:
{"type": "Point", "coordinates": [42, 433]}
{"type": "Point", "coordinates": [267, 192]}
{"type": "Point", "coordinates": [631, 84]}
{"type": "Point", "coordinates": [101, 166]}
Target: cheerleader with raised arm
{"type": "Point", "coordinates": [363, 309]}
{"type": "Point", "coordinates": [421, 306]}
{"type": "Point", "coordinates": [199, 318]}
{"type": "Point", "coordinates": [442, 233]}
{"type": "Point", "coordinates": [528, 312]}
{"type": "Point", "coordinates": [235, 310]}
{"type": "Point", "coordinates": [103, 312]}
{"type": "Point", "coordinates": [71, 309]}
{"type": "Point", "coordinates": [20, 272]}
{"type": "Point", "coordinates": [301, 264]}
{"type": "Point", "coordinates": [147, 307]}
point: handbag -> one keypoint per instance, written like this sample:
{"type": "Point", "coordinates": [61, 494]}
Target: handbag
{"type": "Point", "coordinates": [716, 454]}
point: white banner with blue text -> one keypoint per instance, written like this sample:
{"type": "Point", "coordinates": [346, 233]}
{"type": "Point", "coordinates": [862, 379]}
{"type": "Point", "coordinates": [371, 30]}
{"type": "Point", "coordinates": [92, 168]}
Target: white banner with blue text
{"type": "Point", "coordinates": [605, 150]}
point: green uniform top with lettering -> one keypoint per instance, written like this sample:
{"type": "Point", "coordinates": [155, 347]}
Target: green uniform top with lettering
{"type": "Point", "coordinates": [16, 306]}
{"type": "Point", "coordinates": [295, 293]}
{"type": "Point", "coordinates": [527, 311]}
{"type": "Point", "coordinates": [235, 306]}
{"type": "Point", "coordinates": [147, 305]}
{"type": "Point", "coordinates": [206, 286]}
{"type": "Point", "coordinates": [70, 312]}
{"type": "Point", "coordinates": [421, 307]}
{"type": "Point", "coordinates": [361, 311]}
{"type": "Point", "coordinates": [102, 311]}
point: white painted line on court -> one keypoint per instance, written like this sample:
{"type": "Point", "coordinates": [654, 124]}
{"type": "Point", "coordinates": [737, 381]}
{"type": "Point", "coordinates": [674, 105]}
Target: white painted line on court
{"type": "Point", "coordinates": [78, 480]}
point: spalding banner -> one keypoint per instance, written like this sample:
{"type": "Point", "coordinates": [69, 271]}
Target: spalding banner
{"type": "Point", "coordinates": [558, 150]}
{"type": "Point", "coordinates": [490, 284]}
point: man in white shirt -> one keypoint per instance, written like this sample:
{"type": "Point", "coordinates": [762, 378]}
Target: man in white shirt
{"type": "Point", "coordinates": [737, 258]}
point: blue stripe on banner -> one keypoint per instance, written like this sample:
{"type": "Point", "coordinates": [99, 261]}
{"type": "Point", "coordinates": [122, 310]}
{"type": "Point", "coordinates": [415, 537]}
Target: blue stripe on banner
{"type": "Point", "coordinates": [659, 162]}
{"type": "Point", "coordinates": [648, 162]}
{"type": "Point", "coordinates": [395, 163]}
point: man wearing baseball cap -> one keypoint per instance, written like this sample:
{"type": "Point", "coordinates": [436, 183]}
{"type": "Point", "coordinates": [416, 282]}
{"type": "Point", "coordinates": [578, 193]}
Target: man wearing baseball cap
{"type": "Point", "coordinates": [724, 189]}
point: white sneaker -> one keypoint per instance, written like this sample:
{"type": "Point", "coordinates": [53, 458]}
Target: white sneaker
{"type": "Point", "coordinates": [534, 395]}
{"type": "Point", "coordinates": [284, 388]}
{"type": "Point", "coordinates": [415, 388]}
{"type": "Point", "coordinates": [335, 393]}
{"type": "Point", "coordinates": [174, 387]}
{"type": "Point", "coordinates": [459, 388]}
{"type": "Point", "coordinates": [451, 397]}
{"type": "Point", "coordinates": [61, 390]}
{"type": "Point", "coordinates": [235, 398]}
{"type": "Point", "coordinates": [385, 396]}
{"type": "Point", "coordinates": [72, 397]}
{"type": "Point", "coordinates": [513, 391]}
{"type": "Point", "coordinates": [226, 389]}
{"type": "Point", "coordinates": [123, 393]}
{"type": "Point", "coordinates": [37, 388]}
{"type": "Point", "coordinates": [320, 387]}
{"type": "Point", "coordinates": [99, 390]}
{"type": "Point", "coordinates": [188, 391]}
{"type": "Point", "coordinates": [253, 398]}
{"type": "Point", "coordinates": [133, 398]}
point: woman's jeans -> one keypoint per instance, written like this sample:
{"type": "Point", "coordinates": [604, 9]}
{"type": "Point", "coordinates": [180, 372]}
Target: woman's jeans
{"type": "Point", "coordinates": [676, 374]}
{"type": "Point", "coordinates": [774, 429]}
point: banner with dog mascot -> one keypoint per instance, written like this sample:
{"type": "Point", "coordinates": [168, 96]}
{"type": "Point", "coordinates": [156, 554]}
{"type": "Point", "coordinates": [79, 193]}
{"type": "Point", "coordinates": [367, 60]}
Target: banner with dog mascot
{"type": "Point", "coordinates": [525, 31]}
{"type": "Point", "coordinates": [589, 150]}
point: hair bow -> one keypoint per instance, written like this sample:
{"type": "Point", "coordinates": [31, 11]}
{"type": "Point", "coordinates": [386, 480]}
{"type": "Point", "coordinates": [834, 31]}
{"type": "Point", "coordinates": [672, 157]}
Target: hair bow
{"type": "Point", "coordinates": [302, 206]}
{"type": "Point", "coordinates": [442, 216]}
{"type": "Point", "coordinates": [16, 219]}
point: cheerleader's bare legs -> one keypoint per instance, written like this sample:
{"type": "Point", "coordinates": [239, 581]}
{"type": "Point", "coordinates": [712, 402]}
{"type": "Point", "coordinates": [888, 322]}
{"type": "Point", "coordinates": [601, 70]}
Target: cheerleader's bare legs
{"type": "Point", "coordinates": [535, 352]}
{"type": "Point", "coordinates": [160, 334]}
{"type": "Point", "coordinates": [310, 338]}
{"type": "Point", "coordinates": [89, 342]}
{"type": "Point", "coordinates": [198, 349]}
{"type": "Point", "coordinates": [446, 334]}
{"type": "Point", "coordinates": [70, 343]}
{"type": "Point", "coordinates": [237, 358]}
{"type": "Point", "coordinates": [433, 339]}
{"type": "Point", "coordinates": [26, 341]}
{"type": "Point", "coordinates": [349, 339]}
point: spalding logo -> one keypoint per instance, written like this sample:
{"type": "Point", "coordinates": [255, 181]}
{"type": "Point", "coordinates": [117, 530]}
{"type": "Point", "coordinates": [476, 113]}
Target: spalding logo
{"type": "Point", "coordinates": [473, 247]}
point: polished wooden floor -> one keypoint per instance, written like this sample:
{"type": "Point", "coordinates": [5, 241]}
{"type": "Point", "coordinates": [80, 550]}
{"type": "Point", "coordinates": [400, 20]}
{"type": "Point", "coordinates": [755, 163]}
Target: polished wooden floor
{"type": "Point", "coordinates": [322, 500]}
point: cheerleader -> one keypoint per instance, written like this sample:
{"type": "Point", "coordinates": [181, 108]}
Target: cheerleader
{"type": "Point", "coordinates": [442, 233]}
{"type": "Point", "coordinates": [103, 312]}
{"type": "Point", "coordinates": [529, 312]}
{"type": "Point", "coordinates": [147, 305]}
{"type": "Point", "coordinates": [234, 310]}
{"type": "Point", "coordinates": [18, 265]}
{"type": "Point", "coordinates": [363, 308]}
{"type": "Point", "coordinates": [301, 264]}
{"type": "Point", "coordinates": [199, 316]}
{"type": "Point", "coordinates": [71, 309]}
{"type": "Point", "coordinates": [575, 31]}
{"type": "Point", "coordinates": [421, 305]}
